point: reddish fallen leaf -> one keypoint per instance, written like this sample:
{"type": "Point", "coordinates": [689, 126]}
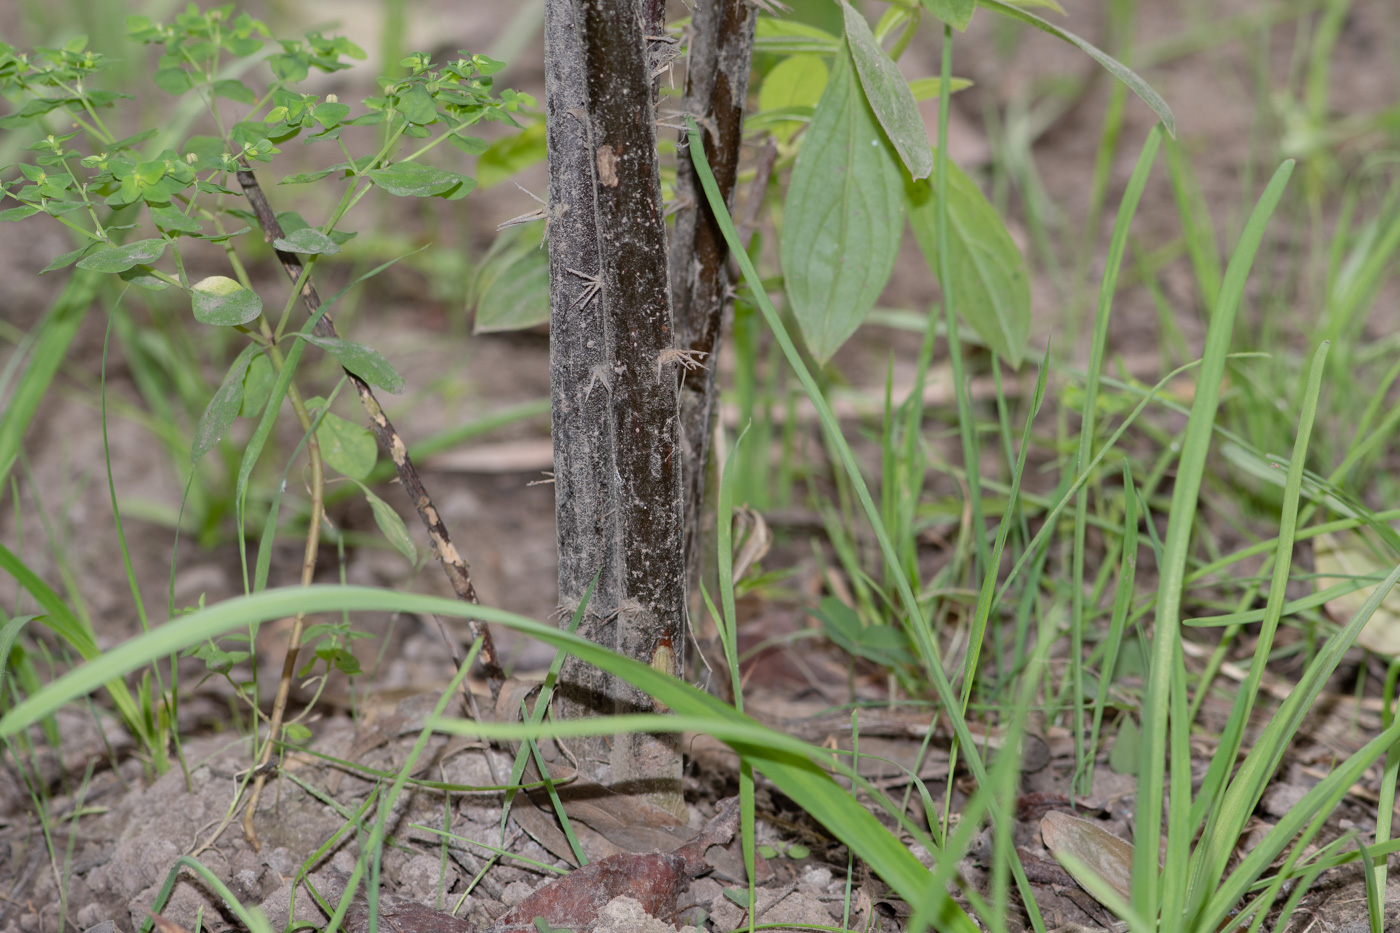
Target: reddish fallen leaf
{"type": "Point", "coordinates": [654, 881]}
{"type": "Point", "coordinates": [167, 926]}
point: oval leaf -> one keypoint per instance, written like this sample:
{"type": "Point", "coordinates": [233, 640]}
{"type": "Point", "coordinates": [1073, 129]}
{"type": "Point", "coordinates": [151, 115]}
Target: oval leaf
{"type": "Point", "coordinates": [307, 240]}
{"type": "Point", "coordinates": [121, 258]}
{"type": "Point", "coordinates": [223, 407]}
{"type": "Point", "coordinates": [1343, 558]}
{"type": "Point", "coordinates": [511, 289]}
{"type": "Point", "coordinates": [990, 288]}
{"type": "Point", "coordinates": [370, 365]}
{"type": "Point", "coordinates": [392, 526]}
{"type": "Point", "coordinates": [796, 81]}
{"type": "Point", "coordinates": [1116, 68]}
{"type": "Point", "coordinates": [1091, 848]}
{"type": "Point", "coordinates": [412, 180]}
{"type": "Point", "coordinates": [221, 301]}
{"type": "Point", "coordinates": [888, 94]}
{"type": "Point", "coordinates": [842, 218]}
{"type": "Point", "coordinates": [349, 448]}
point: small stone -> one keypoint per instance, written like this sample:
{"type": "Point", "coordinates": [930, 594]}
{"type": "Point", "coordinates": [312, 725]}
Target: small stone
{"type": "Point", "coordinates": [515, 892]}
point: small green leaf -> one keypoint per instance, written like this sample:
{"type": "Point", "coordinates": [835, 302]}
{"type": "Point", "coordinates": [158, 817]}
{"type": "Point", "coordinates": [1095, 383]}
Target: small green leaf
{"type": "Point", "coordinates": [235, 91]}
{"type": "Point", "coordinates": [221, 301]}
{"type": "Point", "coordinates": [767, 851]}
{"type": "Point", "coordinates": [1116, 68]}
{"type": "Point", "coordinates": [296, 733]}
{"type": "Point", "coordinates": [414, 180]}
{"type": "Point", "coordinates": [888, 94]}
{"type": "Point", "coordinates": [882, 644]}
{"type": "Point", "coordinates": [391, 525]}
{"type": "Point", "coordinates": [956, 13]}
{"type": "Point", "coordinates": [121, 258]}
{"type": "Point", "coordinates": [223, 407]}
{"type": "Point", "coordinates": [843, 216]}
{"type": "Point", "coordinates": [170, 218]}
{"type": "Point", "coordinates": [308, 240]}
{"type": "Point", "coordinates": [142, 277]}
{"type": "Point", "coordinates": [929, 88]}
{"type": "Point", "coordinates": [1123, 757]}
{"type": "Point", "coordinates": [349, 448]}
{"type": "Point", "coordinates": [990, 288]}
{"type": "Point", "coordinates": [369, 364]}
{"type": "Point", "coordinates": [796, 81]}
{"type": "Point", "coordinates": [330, 114]}
{"type": "Point", "coordinates": [789, 36]}
{"type": "Point", "coordinates": [796, 851]}
{"type": "Point", "coordinates": [67, 259]}
{"type": "Point", "coordinates": [417, 106]}
{"type": "Point", "coordinates": [19, 213]}
{"type": "Point", "coordinates": [511, 288]}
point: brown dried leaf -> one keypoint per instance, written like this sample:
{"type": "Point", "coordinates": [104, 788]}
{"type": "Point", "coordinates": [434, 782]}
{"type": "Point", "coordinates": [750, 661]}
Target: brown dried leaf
{"type": "Point", "coordinates": [1095, 848]}
{"type": "Point", "coordinates": [1343, 557]}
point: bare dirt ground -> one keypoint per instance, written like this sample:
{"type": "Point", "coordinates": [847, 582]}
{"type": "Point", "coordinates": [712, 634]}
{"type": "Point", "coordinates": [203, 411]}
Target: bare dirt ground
{"type": "Point", "coordinates": [117, 834]}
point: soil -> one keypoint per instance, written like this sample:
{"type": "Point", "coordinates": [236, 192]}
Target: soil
{"type": "Point", "coordinates": [117, 828]}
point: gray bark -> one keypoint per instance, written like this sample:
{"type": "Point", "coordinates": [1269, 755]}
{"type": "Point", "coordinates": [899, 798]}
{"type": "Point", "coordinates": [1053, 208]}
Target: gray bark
{"type": "Point", "coordinates": [614, 386]}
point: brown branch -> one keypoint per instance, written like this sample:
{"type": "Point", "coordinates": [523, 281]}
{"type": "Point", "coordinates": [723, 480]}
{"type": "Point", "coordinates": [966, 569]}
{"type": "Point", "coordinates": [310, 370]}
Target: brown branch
{"type": "Point", "coordinates": [389, 439]}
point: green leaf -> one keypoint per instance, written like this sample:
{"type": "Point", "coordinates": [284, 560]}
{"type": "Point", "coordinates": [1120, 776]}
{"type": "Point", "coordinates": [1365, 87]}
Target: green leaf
{"type": "Point", "coordinates": [19, 213]}
{"type": "Point", "coordinates": [417, 106]}
{"type": "Point", "coordinates": [367, 363]}
{"type": "Point", "coordinates": [142, 277]}
{"type": "Point", "coordinates": [172, 80]}
{"type": "Point", "coordinates": [221, 301]}
{"type": "Point", "coordinates": [391, 525]}
{"type": "Point", "coordinates": [223, 407]}
{"type": "Point", "coordinates": [121, 258]}
{"type": "Point", "coordinates": [1123, 757]}
{"type": "Point", "coordinates": [170, 218]}
{"type": "Point", "coordinates": [796, 81]}
{"type": "Point", "coordinates": [414, 180]}
{"type": "Point", "coordinates": [235, 91]}
{"type": "Point", "coordinates": [507, 156]}
{"type": "Point", "coordinates": [883, 644]}
{"type": "Point", "coordinates": [929, 88]}
{"type": "Point", "coordinates": [347, 447]}
{"type": "Point", "coordinates": [309, 241]}
{"type": "Point", "coordinates": [843, 216]}
{"type": "Point", "coordinates": [1116, 68]}
{"type": "Point", "coordinates": [990, 287]}
{"type": "Point", "coordinates": [257, 386]}
{"type": "Point", "coordinates": [296, 733]}
{"type": "Point", "coordinates": [888, 94]}
{"type": "Point", "coordinates": [790, 36]}
{"type": "Point", "coordinates": [330, 114]}
{"type": "Point", "coordinates": [956, 13]}
{"type": "Point", "coordinates": [511, 288]}
{"type": "Point", "coordinates": [67, 259]}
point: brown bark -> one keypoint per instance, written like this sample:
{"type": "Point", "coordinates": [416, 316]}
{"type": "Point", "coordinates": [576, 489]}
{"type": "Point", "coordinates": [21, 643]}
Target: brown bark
{"type": "Point", "coordinates": [716, 86]}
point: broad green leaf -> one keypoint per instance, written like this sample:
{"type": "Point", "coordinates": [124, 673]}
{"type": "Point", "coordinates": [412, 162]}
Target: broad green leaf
{"type": "Point", "coordinates": [369, 364]}
{"type": "Point", "coordinates": [929, 88]}
{"type": "Point", "coordinates": [121, 258]}
{"type": "Point", "coordinates": [19, 213]}
{"type": "Point", "coordinates": [235, 91]}
{"type": "Point", "coordinates": [888, 94]}
{"type": "Point", "coordinates": [308, 241]}
{"type": "Point", "coordinates": [391, 525]}
{"type": "Point", "coordinates": [221, 301]}
{"type": "Point", "coordinates": [349, 448]}
{"type": "Point", "coordinates": [843, 216]}
{"type": "Point", "coordinates": [956, 13]}
{"type": "Point", "coordinates": [417, 106]}
{"type": "Point", "coordinates": [172, 80]}
{"type": "Point", "coordinates": [414, 180]}
{"type": "Point", "coordinates": [511, 288]}
{"type": "Point", "coordinates": [1116, 68]}
{"type": "Point", "coordinates": [170, 218]}
{"type": "Point", "coordinates": [223, 407]}
{"type": "Point", "coordinates": [990, 287]}
{"type": "Point", "coordinates": [796, 81]}
{"type": "Point", "coordinates": [142, 277]}
{"type": "Point", "coordinates": [883, 644]}
{"type": "Point", "coordinates": [507, 156]}
{"type": "Point", "coordinates": [1123, 758]}
{"type": "Point", "coordinates": [330, 114]}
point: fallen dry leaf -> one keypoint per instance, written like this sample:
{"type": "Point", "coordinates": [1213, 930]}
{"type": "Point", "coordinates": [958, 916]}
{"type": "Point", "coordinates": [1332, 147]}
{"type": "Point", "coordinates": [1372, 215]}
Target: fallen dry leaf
{"type": "Point", "coordinates": [1095, 848]}
{"type": "Point", "coordinates": [1341, 558]}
